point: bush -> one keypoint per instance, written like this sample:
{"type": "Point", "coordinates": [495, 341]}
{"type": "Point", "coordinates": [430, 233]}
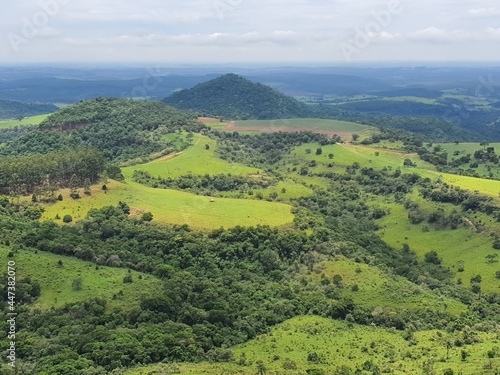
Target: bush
{"type": "Point", "coordinates": [147, 216]}
{"type": "Point", "coordinates": [67, 219]}
{"type": "Point", "coordinates": [127, 279]}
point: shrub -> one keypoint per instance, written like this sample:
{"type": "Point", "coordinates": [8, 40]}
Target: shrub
{"type": "Point", "coordinates": [67, 219]}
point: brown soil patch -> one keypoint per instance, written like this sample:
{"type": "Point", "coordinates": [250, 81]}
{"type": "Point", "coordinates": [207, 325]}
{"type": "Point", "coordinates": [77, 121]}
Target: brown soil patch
{"type": "Point", "coordinates": [169, 156]}
{"type": "Point", "coordinates": [208, 120]}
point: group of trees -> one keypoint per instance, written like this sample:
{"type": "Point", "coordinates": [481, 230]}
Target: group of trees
{"type": "Point", "coordinates": [207, 184]}
{"type": "Point", "coordinates": [263, 150]}
{"type": "Point", "coordinates": [45, 174]}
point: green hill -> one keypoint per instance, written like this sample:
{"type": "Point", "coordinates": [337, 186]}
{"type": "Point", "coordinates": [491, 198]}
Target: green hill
{"type": "Point", "coordinates": [122, 129]}
{"type": "Point", "coordinates": [235, 97]}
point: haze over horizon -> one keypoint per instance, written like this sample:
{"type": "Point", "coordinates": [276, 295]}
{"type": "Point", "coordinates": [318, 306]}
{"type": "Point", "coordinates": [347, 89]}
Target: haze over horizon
{"type": "Point", "coordinates": [239, 31]}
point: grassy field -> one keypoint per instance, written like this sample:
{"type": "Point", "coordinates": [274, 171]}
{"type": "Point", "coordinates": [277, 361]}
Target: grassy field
{"type": "Point", "coordinates": [175, 207]}
{"type": "Point", "coordinates": [56, 282]}
{"type": "Point", "coordinates": [303, 124]}
{"type": "Point", "coordinates": [376, 288]}
{"type": "Point", "coordinates": [34, 120]}
{"type": "Point", "coordinates": [309, 342]}
{"type": "Point", "coordinates": [195, 159]}
{"type": "Point", "coordinates": [461, 244]}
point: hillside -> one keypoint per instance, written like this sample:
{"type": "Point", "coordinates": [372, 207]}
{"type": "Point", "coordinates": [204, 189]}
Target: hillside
{"type": "Point", "coordinates": [235, 97]}
{"type": "Point", "coordinates": [122, 129]}
{"type": "Point", "coordinates": [12, 110]}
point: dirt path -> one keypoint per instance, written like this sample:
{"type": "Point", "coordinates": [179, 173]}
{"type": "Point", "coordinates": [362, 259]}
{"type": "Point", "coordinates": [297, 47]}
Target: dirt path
{"type": "Point", "coordinates": [470, 223]}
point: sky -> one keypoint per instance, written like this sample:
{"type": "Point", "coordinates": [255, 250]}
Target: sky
{"type": "Point", "coordinates": [243, 31]}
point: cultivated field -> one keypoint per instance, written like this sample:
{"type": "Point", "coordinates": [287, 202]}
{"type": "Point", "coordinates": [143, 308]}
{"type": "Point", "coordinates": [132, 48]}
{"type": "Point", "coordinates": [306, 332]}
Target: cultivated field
{"type": "Point", "coordinates": [330, 127]}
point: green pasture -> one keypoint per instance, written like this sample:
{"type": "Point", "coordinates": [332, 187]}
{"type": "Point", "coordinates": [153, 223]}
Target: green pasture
{"type": "Point", "coordinates": [195, 160]}
{"type": "Point", "coordinates": [34, 120]}
{"type": "Point", "coordinates": [461, 244]}
{"type": "Point", "coordinates": [376, 288]}
{"type": "Point", "coordinates": [56, 281]}
{"type": "Point", "coordinates": [302, 344]}
{"type": "Point", "coordinates": [174, 207]}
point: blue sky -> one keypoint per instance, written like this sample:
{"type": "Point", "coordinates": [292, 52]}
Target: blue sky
{"type": "Point", "coordinates": [237, 31]}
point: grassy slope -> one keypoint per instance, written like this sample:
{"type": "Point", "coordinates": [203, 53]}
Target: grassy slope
{"type": "Point", "coordinates": [378, 289]}
{"type": "Point", "coordinates": [451, 245]}
{"type": "Point", "coordinates": [34, 120]}
{"type": "Point", "coordinates": [342, 343]}
{"type": "Point", "coordinates": [55, 281]}
{"type": "Point", "coordinates": [195, 159]}
{"type": "Point", "coordinates": [175, 207]}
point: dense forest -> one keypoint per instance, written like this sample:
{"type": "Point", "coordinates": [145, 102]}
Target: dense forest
{"type": "Point", "coordinates": [234, 97]}
{"type": "Point", "coordinates": [18, 110]}
{"type": "Point", "coordinates": [121, 129]}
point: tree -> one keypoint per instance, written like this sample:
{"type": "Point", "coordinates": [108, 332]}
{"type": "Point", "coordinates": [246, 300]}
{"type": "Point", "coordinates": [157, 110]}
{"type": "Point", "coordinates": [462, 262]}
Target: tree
{"type": "Point", "coordinates": [331, 156]}
{"type": "Point", "coordinates": [128, 279]}
{"type": "Point", "coordinates": [319, 151]}
{"type": "Point", "coordinates": [60, 197]}
{"type": "Point", "coordinates": [432, 257]}
{"type": "Point", "coordinates": [207, 146]}
{"type": "Point", "coordinates": [492, 258]}
{"type": "Point", "coordinates": [67, 219]}
{"type": "Point", "coordinates": [355, 137]}
{"type": "Point", "coordinates": [60, 263]}
{"type": "Point", "coordinates": [77, 284]}
{"type": "Point", "coordinates": [74, 183]}
{"type": "Point", "coordinates": [147, 216]}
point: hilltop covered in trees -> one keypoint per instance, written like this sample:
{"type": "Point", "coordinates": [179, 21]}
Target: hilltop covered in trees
{"type": "Point", "coordinates": [235, 97]}
{"type": "Point", "coordinates": [11, 109]}
{"type": "Point", "coordinates": [122, 129]}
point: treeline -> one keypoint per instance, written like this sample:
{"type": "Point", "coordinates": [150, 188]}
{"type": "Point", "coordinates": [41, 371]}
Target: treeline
{"type": "Point", "coordinates": [121, 129]}
{"type": "Point", "coordinates": [263, 149]}
{"type": "Point", "coordinates": [207, 184]}
{"type": "Point", "coordinates": [23, 175]}
{"type": "Point", "coordinates": [236, 98]}
{"type": "Point", "coordinates": [18, 110]}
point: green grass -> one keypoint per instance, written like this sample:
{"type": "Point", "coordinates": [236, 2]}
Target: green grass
{"type": "Point", "coordinates": [343, 344]}
{"type": "Point", "coordinates": [376, 288]}
{"type": "Point", "coordinates": [175, 207]}
{"type": "Point", "coordinates": [195, 159]}
{"type": "Point", "coordinates": [56, 282]}
{"type": "Point", "coordinates": [451, 245]}
{"type": "Point", "coordinates": [311, 124]}
{"type": "Point", "coordinates": [34, 120]}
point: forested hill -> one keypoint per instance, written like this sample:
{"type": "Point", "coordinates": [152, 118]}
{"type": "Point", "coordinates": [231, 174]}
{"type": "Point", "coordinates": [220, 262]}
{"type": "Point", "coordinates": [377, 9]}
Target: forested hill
{"type": "Point", "coordinates": [122, 129]}
{"type": "Point", "coordinates": [235, 97]}
{"type": "Point", "coordinates": [12, 109]}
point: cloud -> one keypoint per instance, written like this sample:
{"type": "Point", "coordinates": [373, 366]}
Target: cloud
{"type": "Point", "coordinates": [484, 12]}
{"type": "Point", "coordinates": [215, 39]}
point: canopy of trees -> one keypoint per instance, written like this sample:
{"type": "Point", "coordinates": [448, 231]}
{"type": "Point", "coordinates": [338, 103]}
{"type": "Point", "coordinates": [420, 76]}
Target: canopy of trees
{"type": "Point", "coordinates": [235, 97]}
